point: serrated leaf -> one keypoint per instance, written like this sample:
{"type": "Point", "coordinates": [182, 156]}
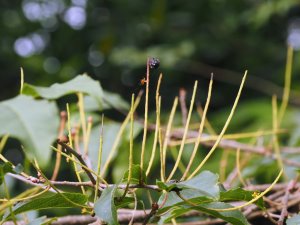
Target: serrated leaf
{"type": "Point", "coordinates": [105, 208]}
{"type": "Point", "coordinates": [33, 122]}
{"type": "Point", "coordinates": [240, 194]}
{"type": "Point", "coordinates": [294, 220]}
{"type": "Point", "coordinates": [53, 201]}
{"type": "Point", "coordinates": [234, 217]}
{"type": "Point", "coordinates": [136, 175]}
{"type": "Point", "coordinates": [5, 168]}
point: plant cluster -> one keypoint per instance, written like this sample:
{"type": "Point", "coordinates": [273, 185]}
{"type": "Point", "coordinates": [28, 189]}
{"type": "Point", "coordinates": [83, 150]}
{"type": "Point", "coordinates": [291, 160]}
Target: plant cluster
{"type": "Point", "coordinates": [181, 193]}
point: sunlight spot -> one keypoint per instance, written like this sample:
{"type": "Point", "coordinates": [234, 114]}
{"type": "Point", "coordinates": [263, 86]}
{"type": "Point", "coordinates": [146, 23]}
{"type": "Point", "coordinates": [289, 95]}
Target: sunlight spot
{"type": "Point", "coordinates": [75, 17]}
{"type": "Point", "coordinates": [293, 38]}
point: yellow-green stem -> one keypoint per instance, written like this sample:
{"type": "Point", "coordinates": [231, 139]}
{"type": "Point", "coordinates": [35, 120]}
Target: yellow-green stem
{"type": "Point", "coordinates": [208, 125]}
{"type": "Point", "coordinates": [99, 159]}
{"type": "Point", "coordinates": [254, 199]}
{"type": "Point", "coordinates": [275, 127]}
{"type": "Point", "coordinates": [146, 116]}
{"type": "Point", "coordinates": [130, 147]}
{"type": "Point", "coordinates": [156, 134]}
{"type": "Point", "coordinates": [79, 164]}
{"type": "Point", "coordinates": [83, 122]}
{"type": "Point", "coordinates": [22, 81]}
{"type": "Point", "coordinates": [118, 137]}
{"type": "Point", "coordinates": [3, 142]}
{"type": "Point", "coordinates": [287, 84]}
{"type": "Point", "coordinates": [163, 150]}
{"type": "Point", "coordinates": [238, 167]}
{"type": "Point", "coordinates": [223, 130]}
{"type": "Point", "coordinates": [185, 132]}
{"type": "Point", "coordinates": [71, 145]}
{"type": "Point", "coordinates": [157, 126]}
{"type": "Point", "coordinates": [196, 146]}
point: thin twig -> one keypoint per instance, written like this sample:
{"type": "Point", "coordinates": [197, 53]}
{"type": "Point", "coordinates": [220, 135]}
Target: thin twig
{"type": "Point", "coordinates": [285, 199]}
{"type": "Point", "coordinates": [79, 157]}
{"type": "Point", "coordinates": [183, 107]}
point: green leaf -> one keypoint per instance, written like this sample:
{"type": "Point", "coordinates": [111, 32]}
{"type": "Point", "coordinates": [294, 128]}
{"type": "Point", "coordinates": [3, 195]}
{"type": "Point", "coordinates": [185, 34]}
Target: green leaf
{"type": "Point", "coordinates": [205, 184]}
{"type": "Point", "coordinates": [105, 207]}
{"type": "Point", "coordinates": [125, 202]}
{"type": "Point", "coordinates": [96, 100]}
{"type": "Point", "coordinates": [294, 220]}
{"type": "Point", "coordinates": [201, 188]}
{"type": "Point", "coordinates": [234, 217]}
{"type": "Point", "coordinates": [174, 200]}
{"type": "Point", "coordinates": [54, 201]}
{"type": "Point", "coordinates": [5, 168]}
{"type": "Point", "coordinates": [240, 194]}
{"type": "Point", "coordinates": [33, 122]}
{"type": "Point", "coordinates": [136, 175]}
{"type": "Point", "coordinates": [81, 83]}
{"type": "Point", "coordinates": [111, 100]}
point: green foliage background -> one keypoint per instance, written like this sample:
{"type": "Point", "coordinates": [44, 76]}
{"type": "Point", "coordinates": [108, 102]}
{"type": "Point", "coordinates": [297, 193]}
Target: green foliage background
{"type": "Point", "coordinates": [119, 35]}
{"type": "Point", "coordinates": [192, 39]}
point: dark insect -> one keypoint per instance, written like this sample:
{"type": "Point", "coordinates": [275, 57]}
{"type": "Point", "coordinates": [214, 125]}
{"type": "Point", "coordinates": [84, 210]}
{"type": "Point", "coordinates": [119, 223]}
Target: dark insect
{"type": "Point", "coordinates": [154, 63]}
